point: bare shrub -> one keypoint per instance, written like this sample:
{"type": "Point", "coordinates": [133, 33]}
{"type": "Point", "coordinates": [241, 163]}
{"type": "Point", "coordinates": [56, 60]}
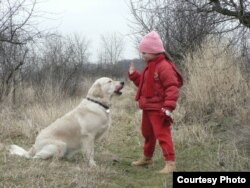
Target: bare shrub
{"type": "Point", "coordinates": [17, 31]}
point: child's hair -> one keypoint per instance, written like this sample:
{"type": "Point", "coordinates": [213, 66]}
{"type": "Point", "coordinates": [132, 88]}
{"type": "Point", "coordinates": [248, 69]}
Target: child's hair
{"type": "Point", "coordinates": [168, 56]}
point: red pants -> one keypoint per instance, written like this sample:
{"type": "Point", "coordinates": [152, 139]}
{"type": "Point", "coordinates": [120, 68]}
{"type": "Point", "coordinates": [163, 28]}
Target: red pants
{"type": "Point", "coordinates": [155, 128]}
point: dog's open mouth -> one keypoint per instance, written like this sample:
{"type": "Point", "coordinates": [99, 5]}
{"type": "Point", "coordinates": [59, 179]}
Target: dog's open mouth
{"type": "Point", "coordinates": [118, 90]}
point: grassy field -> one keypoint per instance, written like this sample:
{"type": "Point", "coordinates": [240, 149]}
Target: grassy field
{"type": "Point", "coordinates": [211, 131]}
{"type": "Point", "coordinates": [199, 147]}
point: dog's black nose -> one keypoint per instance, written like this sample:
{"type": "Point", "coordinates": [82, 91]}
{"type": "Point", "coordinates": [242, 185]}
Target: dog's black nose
{"type": "Point", "coordinates": [122, 83]}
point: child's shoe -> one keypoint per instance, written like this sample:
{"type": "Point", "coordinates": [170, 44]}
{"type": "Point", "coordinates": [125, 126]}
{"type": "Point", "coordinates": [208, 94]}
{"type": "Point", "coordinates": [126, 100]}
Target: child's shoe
{"type": "Point", "coordinates": [169, 167]}
{"type": "Point", "coordinates": [143, 162]}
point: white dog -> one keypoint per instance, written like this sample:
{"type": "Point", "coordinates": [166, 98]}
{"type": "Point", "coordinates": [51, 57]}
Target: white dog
{"type": "Point", "coordinates": [79, 128]}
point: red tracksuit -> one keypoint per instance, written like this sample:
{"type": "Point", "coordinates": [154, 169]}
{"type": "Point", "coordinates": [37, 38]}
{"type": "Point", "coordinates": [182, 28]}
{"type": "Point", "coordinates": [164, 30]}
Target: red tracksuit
{"type": "Point", "coordinates": [158, 87]}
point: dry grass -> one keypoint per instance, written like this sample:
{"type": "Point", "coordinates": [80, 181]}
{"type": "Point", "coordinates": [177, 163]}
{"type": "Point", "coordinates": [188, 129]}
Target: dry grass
{"type": "Point", "coordinates": [216, 86]}
{"type": "Point", "coordinates": [114, 152]}
{"type": "Point", "coordinates": [209, 133]}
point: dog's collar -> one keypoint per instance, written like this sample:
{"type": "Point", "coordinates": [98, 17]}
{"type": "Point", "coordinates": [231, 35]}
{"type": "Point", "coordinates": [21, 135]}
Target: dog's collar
{"type": "Point", "coordinates": [97, 102]}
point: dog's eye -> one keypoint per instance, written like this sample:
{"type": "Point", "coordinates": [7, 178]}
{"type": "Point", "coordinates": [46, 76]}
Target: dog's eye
{"type": "Point", "coordinates": [109, 81]}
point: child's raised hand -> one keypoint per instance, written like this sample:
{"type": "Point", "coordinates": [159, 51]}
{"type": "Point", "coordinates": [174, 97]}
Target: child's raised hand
{"type": "Point", "coordinates": [131, 68]}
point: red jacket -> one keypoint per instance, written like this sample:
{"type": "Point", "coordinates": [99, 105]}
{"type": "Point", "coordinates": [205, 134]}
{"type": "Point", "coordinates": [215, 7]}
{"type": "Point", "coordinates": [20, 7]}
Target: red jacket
{"type": "Point", "coordinates": [164, 87]}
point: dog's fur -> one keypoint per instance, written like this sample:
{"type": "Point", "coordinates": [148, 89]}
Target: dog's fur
{"type": "Point", "coordinates": [79, 128]}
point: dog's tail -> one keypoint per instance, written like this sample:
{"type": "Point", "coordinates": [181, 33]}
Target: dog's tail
{"type": "Point", "coordinates": [17, 150]}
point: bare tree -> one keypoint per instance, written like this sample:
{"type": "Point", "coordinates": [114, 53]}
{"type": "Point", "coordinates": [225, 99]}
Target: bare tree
{"type": "Point", "coordinates": [181, 31]}
{"type": "Point", "coordinates": [12, 59]}
{"type": "Point", "coordinates": [16, 25]}
{"type": "Point", "coordinates": [60, 63]}
{"type": "Point", "coordinates": [232, 21]}
{"type": "Point", "coordinates": [16, 31]}
{"type": "Point", "coordinates": [111, 49]}
{"type": "Point", "coordinates": [238, 10]}
{"type": "Point", "coordinates": [185, 24]}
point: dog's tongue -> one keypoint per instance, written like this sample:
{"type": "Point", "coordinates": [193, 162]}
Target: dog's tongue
{"type": "Point", "coordinates": [118, 91]}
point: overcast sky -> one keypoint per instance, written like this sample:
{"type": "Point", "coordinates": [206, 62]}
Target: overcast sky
{"type": "Point", "coordinates": [90, 19]}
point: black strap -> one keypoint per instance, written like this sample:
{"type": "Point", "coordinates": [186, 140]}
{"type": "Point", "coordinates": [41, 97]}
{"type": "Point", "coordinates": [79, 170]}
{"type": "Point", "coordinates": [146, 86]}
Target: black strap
{"type": "Point", "coordinates": [97, 102]}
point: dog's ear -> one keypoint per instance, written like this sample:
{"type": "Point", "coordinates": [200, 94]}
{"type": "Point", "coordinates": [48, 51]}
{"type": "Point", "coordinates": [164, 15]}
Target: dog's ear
{"type": "Point", "coordinates": [97, 91]}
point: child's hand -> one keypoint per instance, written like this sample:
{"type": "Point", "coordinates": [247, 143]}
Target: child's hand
{"type": "Point", "coordinates": [168, 115]}
{"type": "Point", "coordinates": [131, 68]}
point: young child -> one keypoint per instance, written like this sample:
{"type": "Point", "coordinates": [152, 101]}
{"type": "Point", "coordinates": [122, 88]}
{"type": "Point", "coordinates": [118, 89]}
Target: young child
{"type": "Point", "coordinates": [157, 95]}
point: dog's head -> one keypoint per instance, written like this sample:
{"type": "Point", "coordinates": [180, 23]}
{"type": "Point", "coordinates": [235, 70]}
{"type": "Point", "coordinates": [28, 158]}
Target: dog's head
{"type": "Point", "coordinates": [104, 88]}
